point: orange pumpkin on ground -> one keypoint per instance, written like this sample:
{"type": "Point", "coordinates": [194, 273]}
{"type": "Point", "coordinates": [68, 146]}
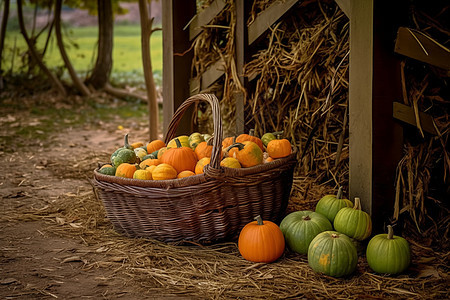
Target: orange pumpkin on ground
{"type": "Point", "coordinates": [155, 145]}
{"type": "Point", "coordinates": [261, 241]}
{"type": "Point", "coordinates": [181, 158]}
{"type": "Point", "coordinates": [250, 137]}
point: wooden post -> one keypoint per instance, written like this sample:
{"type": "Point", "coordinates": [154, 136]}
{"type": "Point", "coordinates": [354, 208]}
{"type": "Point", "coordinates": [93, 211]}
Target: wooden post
{"type": "Point", "coordinates": [176, 67]}
{"type": "Point", "coordinates": [374, 84]}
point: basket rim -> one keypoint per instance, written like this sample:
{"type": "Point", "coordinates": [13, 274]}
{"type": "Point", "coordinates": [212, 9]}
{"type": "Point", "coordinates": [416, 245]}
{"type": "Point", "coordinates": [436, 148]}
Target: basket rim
{"type": "Point", "coordinates": [222, 174]}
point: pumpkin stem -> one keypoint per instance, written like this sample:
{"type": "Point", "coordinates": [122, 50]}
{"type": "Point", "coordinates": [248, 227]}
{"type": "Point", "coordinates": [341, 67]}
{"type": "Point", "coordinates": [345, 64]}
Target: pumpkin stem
{"type": "Point", "coordinates": [278, 132]}
{"type": "Point", "coordinates": [177, 141]}
{"type": "Point", "coordinates": [239, 145]}
{"type": "Point", "coordinates": [357, 204]}
{"type": "Point", "coordinates": [126, 145]}
{"type": "Point", "coordinates": [334, 235]}
{"type": "Point", "coordinates": [390, 234]}
{"type": "Point", "coordinates": [252, 132]}
{"type": "Point", "coordinates": [339, 193]}
{"type": "Point", "coordinates": [259, 220]}
{"type": "Point", "coordinates": [306, 218]}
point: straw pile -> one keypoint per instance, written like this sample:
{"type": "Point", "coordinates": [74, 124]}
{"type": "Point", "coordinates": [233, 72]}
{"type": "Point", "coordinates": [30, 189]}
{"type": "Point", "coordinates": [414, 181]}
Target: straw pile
{"type": "Point", "coordinates": [300, 86]}
{"type": "Point", "coordinates": [423, 174]}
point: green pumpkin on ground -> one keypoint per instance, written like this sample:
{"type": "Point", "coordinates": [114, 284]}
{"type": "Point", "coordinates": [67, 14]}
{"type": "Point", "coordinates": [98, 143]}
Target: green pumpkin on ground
{"type": "Point", "coordinates": [388, 253]}
{"type": "Point", "coordinates": [332, 253]}
{"type": "Point", "coordinates": [353, 222]}
{"type": "Point", "coordinates": [301, 227]}
{"type": "Point", "coordinates": [329, 205]}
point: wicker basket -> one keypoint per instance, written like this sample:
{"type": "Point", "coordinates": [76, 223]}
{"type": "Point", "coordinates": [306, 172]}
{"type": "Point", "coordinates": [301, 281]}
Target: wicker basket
{"type": "Point", "coordinates": [203, 208]}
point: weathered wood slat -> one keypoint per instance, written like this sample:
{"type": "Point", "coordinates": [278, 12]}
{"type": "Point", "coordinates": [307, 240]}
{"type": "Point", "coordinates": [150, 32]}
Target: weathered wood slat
{"type": "Point", "coordinates": [406, 114]}
{"type": "Point", "coordinates": [267, 18]}
{"type": "Point", "coordinates": [416, 45]}
{"type": "Point", "coordinates": [214, 72]}
{"type": "Point", "coordinates": [203, 18]}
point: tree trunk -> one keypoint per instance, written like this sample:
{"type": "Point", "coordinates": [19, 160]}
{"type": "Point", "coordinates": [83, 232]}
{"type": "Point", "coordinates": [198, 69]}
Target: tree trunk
{"type": "Point", "coordinates": [103, 64]}
{"type": "Point", "coordinates": [2, 37]}
{"type": "Point", "coordinates": [76, 81]}
{"type": "Point", "coordinates": [146, 32]}
{"type": "Point", "coordinates": [55, 81]}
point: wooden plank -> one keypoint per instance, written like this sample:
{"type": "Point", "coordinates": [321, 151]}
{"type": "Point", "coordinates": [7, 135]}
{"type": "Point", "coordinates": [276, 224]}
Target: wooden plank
{"type": "Point", "coordinates": [205, 17]}
{"type": "Point", "coordinates": [267, 18]}
{"type": "Point", "coordinates": [406, 114]}
{"type": "Point", "coordinates": [176, 68]}
{"type": "Point", "coordinates": [360, 102]}
{"type": "Point", "coordinates": [417, 45]}
{"type": "Point", "coordinates": [344, 5]}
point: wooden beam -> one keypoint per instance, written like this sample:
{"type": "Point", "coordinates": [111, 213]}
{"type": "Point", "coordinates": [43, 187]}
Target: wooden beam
{"type": "Point", "coordinates": [360, 102]}
{"type": "Point", "coordinates": [406, 114]}
{"type": "Point", "coordinates": [267, 18]}
{"type": "Point", "coordinates": [419, 46]}
{"type": "Point", "coordinates": [176, 68]}
{"type": "Point", "coordinates": [205, 17]}
{"type": "Point", "coordinates": [345, 6]}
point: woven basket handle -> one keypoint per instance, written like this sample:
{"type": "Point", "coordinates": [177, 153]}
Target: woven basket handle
{"type": "Point", "coordinates": [217, 120]}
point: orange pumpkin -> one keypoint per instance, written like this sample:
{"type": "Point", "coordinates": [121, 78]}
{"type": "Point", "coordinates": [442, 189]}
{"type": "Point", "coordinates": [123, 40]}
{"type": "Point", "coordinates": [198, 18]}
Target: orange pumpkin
{"type": "Point", "coordinates": [279, 148]}
{"type": "Point", "coordinates": [125, 170]}
{"type": "Point", "coordinates": [137, 145]}
{"type": "Point", "coordinates": [261, 241]}
{"type": "Point", "coordinates": [181, 158]}
{"type": "Point", "coordinates": [185, 174]}
{"type": "Point", "coordinates": [250, 137]}
{"type": "Point", "coordinates": [150, 168]}
{"type": "Point", "coordinates": [247, 153]}
{"type": "Point", "coordinates": [201, 164]}
{"type": "Point", "coordinates": [149, 162]}
{"type": "Point", "coordinates": [155, 145]}
{"type": "Point", "coordinates": [203, 150]}
{"type": "Point", "coordinates": [227, 142]}
{"type": "Point", "coordinates": [164, 172]}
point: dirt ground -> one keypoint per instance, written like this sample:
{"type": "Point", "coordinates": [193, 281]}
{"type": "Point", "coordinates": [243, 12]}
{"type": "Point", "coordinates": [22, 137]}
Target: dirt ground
{"type": "Point", "coordinates": [55, 241]}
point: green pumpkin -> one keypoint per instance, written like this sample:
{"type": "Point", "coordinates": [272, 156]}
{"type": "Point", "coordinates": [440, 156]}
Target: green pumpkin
{"type": "Point", "coordinates": [301, 227]}
{"type": "Point", "coordinates": [126, 145]}
{"type": "Point", "coordinates": [124, 156]}
{"type": "Point", "coordinates": [269, 136]}
{"type": "Point", "coordinates": [195, 139]}
{"type": "Point", "coordinates": [329, 205]}
{"type": "Point", "coordinates": [151, 155]}
{"type": "Point", "coordinates": [332, 253]}
{"type": "Point", "coordinates": [388, 253]}
{"type": "Point", "coordinates": [108, 171]}
{"type": "Point", "coordinates": [353, 222]}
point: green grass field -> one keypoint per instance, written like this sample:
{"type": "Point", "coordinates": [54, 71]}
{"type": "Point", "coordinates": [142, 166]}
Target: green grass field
{"type": "Point", "coordinates": [81, 47]}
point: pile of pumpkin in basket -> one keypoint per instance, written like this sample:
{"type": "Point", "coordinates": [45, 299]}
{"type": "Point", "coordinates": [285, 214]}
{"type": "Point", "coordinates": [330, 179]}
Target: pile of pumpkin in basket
{"type": "Point", "coordinates": [329, 237]}
{"type": "Point", "coordinates": [186, 155]}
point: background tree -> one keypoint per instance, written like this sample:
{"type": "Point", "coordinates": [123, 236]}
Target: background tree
{"type": "Point", "coordinates": [2, 36]}
{"type": "Point", "coordinates": [146, 33]}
